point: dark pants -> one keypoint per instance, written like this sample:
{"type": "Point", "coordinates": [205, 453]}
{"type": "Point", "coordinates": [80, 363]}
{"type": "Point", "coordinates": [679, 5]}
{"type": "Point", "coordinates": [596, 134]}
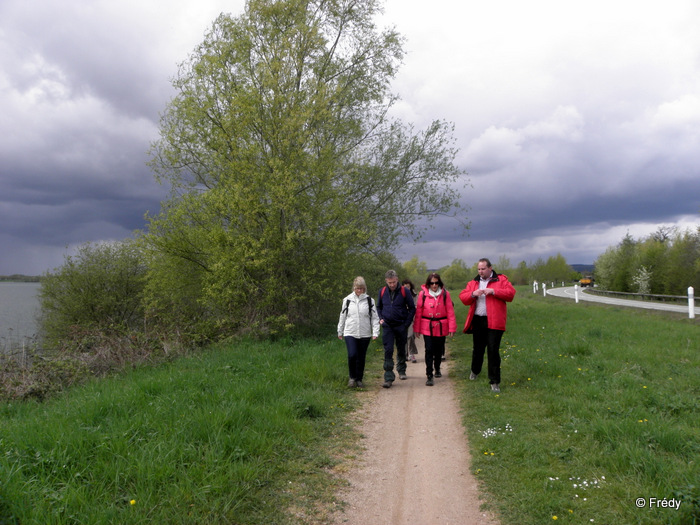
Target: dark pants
{"type": "Point", "coordinates": [489, 340]}
{"type": "Point", "coordinates": [390, 335]}
{"type": "Point", "coordinates": [434, 350]}
{"type": "Point", "coordinates": [357, 353]}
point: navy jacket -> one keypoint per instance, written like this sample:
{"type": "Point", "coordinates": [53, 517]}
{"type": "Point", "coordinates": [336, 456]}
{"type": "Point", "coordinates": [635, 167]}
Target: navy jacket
{"type": "Point", "coordinates": [399, 311]}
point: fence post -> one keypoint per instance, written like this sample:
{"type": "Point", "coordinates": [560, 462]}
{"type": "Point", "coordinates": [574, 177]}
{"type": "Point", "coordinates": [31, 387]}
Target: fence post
{"type": "Point", "coordinates": [576, 292]}
{"type": "Point", "coordinates": [534, 286]}
{"type": "Point", "coordinates": [691, 302]}
{"type": "Point", "coordinates": [544, 289]}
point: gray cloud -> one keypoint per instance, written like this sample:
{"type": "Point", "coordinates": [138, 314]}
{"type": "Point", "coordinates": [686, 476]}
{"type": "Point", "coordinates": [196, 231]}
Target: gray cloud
{"type": "Point", "coordinates": [575, 125]}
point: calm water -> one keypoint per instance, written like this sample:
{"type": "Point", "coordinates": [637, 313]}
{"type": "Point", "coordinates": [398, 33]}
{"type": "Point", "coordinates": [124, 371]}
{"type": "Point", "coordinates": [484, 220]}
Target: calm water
{"type": "Point", "coordinates": [19, 306]}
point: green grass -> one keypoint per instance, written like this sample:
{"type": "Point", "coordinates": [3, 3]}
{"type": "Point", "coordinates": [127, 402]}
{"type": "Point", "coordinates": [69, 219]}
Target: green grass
{"type": "Point", "coordinates": [244, 433]}
{"type": "Point", "coordinates": [599, 406]}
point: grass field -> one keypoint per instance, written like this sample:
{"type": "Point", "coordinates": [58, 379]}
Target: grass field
{"type": "Point", "coordinates": [239, 434]}
{"type": "Point", "coordinates": [599, 407]}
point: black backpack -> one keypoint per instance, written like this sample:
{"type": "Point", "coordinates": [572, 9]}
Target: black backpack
{"type": "Point", "coordinates": [369, 304]}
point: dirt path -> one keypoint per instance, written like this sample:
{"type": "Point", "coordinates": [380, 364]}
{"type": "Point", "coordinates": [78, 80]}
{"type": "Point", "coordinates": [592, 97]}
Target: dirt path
{"type": "Point", "coordinates": [415, 464]}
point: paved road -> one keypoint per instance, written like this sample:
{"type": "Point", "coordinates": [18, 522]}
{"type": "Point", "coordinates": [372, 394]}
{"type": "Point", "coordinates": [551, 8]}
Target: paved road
{"type": "Point", "coordinates": [568, 292]}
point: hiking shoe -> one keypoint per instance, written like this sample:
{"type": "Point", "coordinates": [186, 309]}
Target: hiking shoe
{"type": "Point", "coordinates": [402, 376]}
{"type": "Point", "coordinates": [386, 384]}
{"type": "Point", "coordinates": [438, 373]}
{"type": "Point", "coordinates": [360, 384]}
{"type": "Point", "coordinates": [429, 382]}
{"type": "Point", "coordinates": [472, 376]}
{"type": "Point", "coordinates": [352, 383]}
{"type": "Point", "coordinates": [495, 387]}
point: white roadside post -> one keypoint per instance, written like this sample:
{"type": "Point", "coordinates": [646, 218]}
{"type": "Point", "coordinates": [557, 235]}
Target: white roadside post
{"type": "Point", "coordinates": [544, 289]}
{"type": "Point", "coordinates": [534, 286]}
{"type": "Point", "coordinates": [576, 292]}
{"type": "Point", "coordinates": [691, 302]}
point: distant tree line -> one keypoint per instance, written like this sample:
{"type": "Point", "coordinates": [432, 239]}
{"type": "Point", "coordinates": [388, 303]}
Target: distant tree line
{"type": "Point", "coordinates": [457, 273]}
{"type": "Point", "coordinates": [666, 262]}
{"type": "Point", "coordinates": [20, 278]}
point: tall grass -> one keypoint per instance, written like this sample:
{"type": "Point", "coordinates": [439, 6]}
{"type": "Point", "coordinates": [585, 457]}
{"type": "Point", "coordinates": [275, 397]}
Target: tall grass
{"type": "Point", "coordinates": [244, 433]}
{"type": "Point", "coordinates": [599, 407]}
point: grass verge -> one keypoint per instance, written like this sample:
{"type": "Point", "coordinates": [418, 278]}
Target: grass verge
{"type": "Point", "coordinates": [597, 420]}
{"type": "Point", "coordinates": [243, 433]}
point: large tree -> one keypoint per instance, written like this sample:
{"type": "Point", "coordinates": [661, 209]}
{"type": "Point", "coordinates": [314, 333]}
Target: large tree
{"type": "Point", "coordinates": [284, 164]}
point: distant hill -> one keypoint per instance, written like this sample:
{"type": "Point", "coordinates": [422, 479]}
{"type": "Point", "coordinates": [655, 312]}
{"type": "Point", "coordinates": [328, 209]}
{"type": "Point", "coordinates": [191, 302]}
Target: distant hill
{"type": "Point", "coordinates": [582, 268]}
{"type": "Point", "coordinates": [18, 278]}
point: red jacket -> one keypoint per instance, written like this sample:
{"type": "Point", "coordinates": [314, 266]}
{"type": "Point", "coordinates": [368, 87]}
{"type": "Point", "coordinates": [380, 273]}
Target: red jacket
{"type": "Point", "coordinates": [496, 308]}
{"type": "Point", "coordinates": [434, 315]}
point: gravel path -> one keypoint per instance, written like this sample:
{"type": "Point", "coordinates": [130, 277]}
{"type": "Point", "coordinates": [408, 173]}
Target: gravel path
{"type": "Point", "coordinates": [415, 465]}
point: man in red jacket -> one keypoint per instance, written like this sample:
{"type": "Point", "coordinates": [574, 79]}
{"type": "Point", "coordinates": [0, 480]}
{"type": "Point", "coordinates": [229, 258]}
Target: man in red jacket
{"type": "Point", "coordinates": [487, 295]}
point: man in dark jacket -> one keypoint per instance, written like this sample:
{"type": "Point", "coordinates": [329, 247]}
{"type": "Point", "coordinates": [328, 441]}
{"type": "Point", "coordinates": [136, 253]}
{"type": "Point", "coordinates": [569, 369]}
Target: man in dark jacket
{"type": "Point", "coordinates": [396, 311]}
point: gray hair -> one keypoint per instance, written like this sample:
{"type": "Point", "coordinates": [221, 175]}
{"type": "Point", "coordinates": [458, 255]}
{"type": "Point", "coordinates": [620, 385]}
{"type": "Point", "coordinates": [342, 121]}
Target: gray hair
{"type": "Point", "coordinates": [391, 274]}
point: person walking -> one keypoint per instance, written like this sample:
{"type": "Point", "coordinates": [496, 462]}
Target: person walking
{"type": "Point", "coordinates": [358, 324]}
{"type": "Point", "coordinates": [411, 346]}
{"type": "Point", "coordinates": [435, 319]}
{"type": "Point", "coordinates": [487, 296]}
{"type": "Point", "coordinates": [396, 311]}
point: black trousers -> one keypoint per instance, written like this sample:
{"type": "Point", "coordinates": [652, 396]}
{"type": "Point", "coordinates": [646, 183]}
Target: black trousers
{"type": "Point", "coordinates": [434, 349]}
{"type": "Point", "coordinates": [489, 341]}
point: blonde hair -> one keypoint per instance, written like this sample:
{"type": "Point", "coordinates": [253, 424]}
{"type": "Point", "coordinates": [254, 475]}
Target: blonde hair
{"type": "Point", "coordinates": [359, 282]}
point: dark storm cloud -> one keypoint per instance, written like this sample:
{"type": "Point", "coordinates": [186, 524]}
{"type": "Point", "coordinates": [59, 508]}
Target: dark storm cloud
{"type": "Point", "coordinates": [575, 126]}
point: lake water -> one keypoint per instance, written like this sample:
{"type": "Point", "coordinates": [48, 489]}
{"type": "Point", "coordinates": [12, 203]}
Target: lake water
{"type": "Point", "coordinates": [19, 307]}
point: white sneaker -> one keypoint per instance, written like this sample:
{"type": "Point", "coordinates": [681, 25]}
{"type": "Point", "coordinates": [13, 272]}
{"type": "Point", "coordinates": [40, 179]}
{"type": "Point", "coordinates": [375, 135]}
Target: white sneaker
{"type": "Point", "coordinates": [472, 376]}
{"type": "Point", "coordinates": [495, 387]}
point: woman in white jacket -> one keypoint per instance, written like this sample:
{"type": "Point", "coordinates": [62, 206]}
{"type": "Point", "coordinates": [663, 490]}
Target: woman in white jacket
{"type": "Point", "coordinates": [358, 325]}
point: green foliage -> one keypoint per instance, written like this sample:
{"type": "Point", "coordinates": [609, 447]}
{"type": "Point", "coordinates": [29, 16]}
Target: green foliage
{"type": "Point", "coordinates": [456, 275]}
{"type": "Point", "coordinates": [285, 168]}
{"type": "Point", "coordinates": [98, 288]}
{"type": "Point", "coordinates": [668, 261]}
{"type": "Point", "coordinates": [416, 270]}
{"type": "Point", "coordinates": [589, 417]}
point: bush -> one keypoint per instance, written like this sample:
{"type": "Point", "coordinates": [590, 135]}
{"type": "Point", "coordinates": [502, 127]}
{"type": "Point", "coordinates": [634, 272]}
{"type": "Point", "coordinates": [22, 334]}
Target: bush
{"type": "Point", "coordinates": [99, 288]}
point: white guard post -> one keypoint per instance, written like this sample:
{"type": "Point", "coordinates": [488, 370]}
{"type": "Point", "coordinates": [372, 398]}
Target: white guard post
{"type": "Point", "coordinates": [691, 302]}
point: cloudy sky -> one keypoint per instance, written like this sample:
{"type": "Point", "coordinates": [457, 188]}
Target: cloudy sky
{"type": "Point", "coordinates": [577, 122]}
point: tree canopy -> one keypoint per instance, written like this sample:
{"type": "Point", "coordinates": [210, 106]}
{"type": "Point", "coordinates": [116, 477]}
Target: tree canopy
{"type": "Point", "coordinates": [286, 169]}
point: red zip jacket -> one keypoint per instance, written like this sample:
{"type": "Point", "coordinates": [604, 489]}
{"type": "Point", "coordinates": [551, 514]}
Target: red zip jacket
{"type": "Point", "coordinates": [434, 315]}
{"type": "Point", "coordinates": [496, 308]}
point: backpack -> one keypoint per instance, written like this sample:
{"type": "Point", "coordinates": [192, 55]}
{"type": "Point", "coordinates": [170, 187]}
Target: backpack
{"type": "Point", "coordinates": [381, 294]}
{"type": "Point", "coordinates": [369, 305]}
{"type": "Point", "coordinates": [444, 299]}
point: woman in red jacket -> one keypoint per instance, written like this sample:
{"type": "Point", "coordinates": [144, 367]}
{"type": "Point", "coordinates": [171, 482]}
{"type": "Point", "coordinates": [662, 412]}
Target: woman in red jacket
{"type": "Point", "coordinates": [435, 319]}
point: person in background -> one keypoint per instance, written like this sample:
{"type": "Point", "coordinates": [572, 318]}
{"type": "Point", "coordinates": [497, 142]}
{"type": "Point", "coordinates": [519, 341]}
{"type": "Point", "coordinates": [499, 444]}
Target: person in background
{"type": "Point", "coordinates": [396, 310]}
{"type": "Point", "coordinates": [487, 295]}
{"type": "Point", "coordinates": [358, 325]}
{"type": "Point", "coordinates": [435, 319]}
{"type": "Point", "coordinates": [411, 347]}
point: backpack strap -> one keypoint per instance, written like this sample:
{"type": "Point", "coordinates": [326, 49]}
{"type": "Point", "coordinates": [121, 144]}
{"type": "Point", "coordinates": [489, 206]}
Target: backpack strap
{"type": "Point", "coordinates": [347, 305]}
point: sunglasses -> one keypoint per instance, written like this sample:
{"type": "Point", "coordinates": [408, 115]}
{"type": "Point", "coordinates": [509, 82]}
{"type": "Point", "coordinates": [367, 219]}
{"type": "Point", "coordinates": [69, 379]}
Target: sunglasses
{"type": "Point", "coordinates": [434, 282]}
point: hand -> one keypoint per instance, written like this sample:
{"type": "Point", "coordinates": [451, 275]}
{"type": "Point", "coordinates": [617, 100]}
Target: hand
{"type": "Point", "coordinates": [340, 337]}
{"type": "Point", "coordinates": [374, 337]}
{"type": "Point", "coordinates": [417, 335]}
{"type": "Point", "coordinates": [451, 334]}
